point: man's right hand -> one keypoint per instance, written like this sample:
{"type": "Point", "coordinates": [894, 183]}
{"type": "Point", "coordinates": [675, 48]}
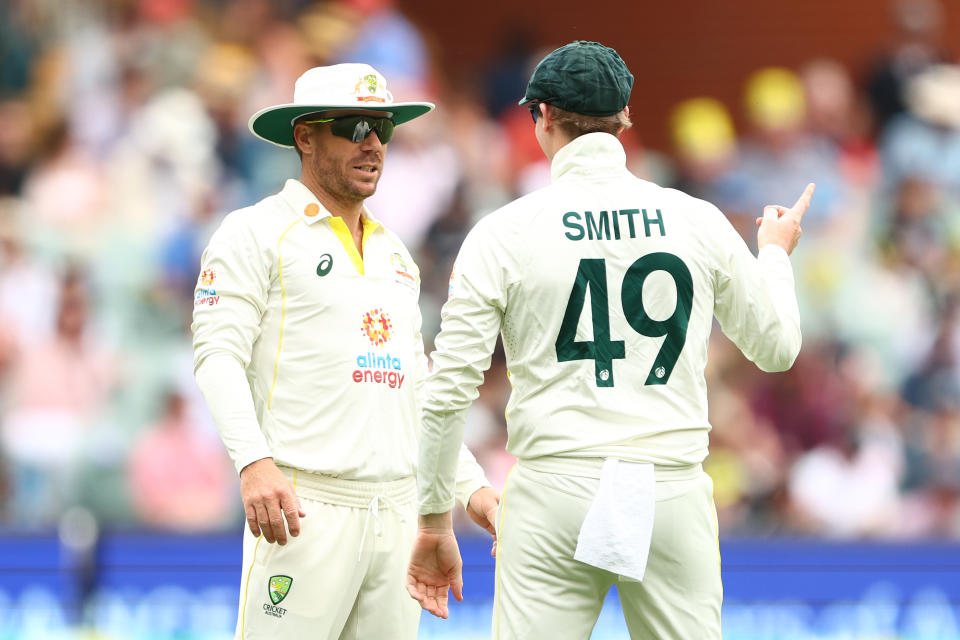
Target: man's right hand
{"type": "Point", "coordinates": [781, 226]}
{"type": "Point", "coordinates": [268, 498]}
{"type": "Point", "coordinates": [435, 567]}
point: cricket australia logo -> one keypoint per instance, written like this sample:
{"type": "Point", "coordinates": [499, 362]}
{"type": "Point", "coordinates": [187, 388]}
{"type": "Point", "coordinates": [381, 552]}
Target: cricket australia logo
{"type": "Point", "coordinates": [278, 587]}
{"type": "Point", "coordinates": [368, 89]}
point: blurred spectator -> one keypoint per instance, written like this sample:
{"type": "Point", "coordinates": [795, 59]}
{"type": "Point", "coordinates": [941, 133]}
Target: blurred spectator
{"type": "Point", "coordinates": [166, 165]}
{"type": "Point", "coordinates": [406, 203]}
{"type": "Point", "coordinates": [837, 116]}
{"type": "Point", "coordinates": [747, 461]}
{"type": "Point", "coordinates": [918, 26]}
{"type": "Point", "coordinates": [883, 306]}
{"type": "Point", "coordinates": [17, 48]}
{"type": "Point", "coordinates": [16, 138]}
{"type": "Point", "coordinates": [224, 77]}
{"type": "Point", "coordinates": [926, 140]}
{"type": "Point", "coordinates": [506, 75]}
{"type": "Point", "coordinates": [63, 167]}
{"type": "Point", "coordinates": [849, 486]}
{"type": "Point", "coordinates": [932, 485]}
{"type": "Point", "coordinates": [706, 151]}
{"type": "Point", "coordinates": [28, 287]}
{"type": "Point", "coordinates": [779, 157]}
{"type": "Point", "coordinates": [807, 404]}
{"type": "Point", "coordinates": [934, 385]}
{"type": "Point", "coordinates": [180, 479]}
{"type": "Point", "coordinates": [58, 391]}
{"type": "Point", "coordinates": [387, 41]}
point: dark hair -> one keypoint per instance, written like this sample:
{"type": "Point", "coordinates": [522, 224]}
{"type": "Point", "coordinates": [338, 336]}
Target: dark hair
{"type": "Point", "coordinates": [575, 125]}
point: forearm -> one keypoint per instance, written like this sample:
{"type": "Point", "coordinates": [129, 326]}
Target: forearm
{"type": "Point", "coordinates": [783, 312]}
{"type": "Point", "coordinates": [469, 476]}
{"type": "Point", "coordinates": [441, 439]}
{"type": "Point", "coordinates": [224, 385]}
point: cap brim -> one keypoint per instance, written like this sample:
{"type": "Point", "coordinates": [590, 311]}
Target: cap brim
{"type": "Point", "coordinates": [275, 124]}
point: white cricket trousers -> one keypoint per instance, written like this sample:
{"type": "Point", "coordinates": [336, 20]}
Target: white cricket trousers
{"type": "Point", "coordinates": [344, 576]}
{"type": "Point", "coordinates": [542, 592]}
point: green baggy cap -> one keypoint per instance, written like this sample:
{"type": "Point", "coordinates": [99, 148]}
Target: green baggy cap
{"type": "Point", "coordinates": [583, 77]}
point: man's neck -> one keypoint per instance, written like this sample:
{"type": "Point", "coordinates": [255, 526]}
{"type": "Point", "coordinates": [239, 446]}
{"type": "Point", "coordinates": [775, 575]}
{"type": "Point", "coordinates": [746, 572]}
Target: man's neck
{"type": "Point", "coordinates": [555, 142]}
{"type": "Point", "coordinates": [348, 210]}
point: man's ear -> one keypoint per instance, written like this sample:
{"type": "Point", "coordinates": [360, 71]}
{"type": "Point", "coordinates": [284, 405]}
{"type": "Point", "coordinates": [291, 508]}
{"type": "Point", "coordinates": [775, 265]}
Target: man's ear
{"type": "Point", "coordinates": [626, 112]}
{"type": "Point", "coordinates": [302, 138]}
{"type": "Point", "coordinates": [546, 115]}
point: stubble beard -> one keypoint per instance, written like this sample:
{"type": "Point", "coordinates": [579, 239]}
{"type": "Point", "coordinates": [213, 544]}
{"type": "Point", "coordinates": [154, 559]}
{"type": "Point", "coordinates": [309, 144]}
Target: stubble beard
{"type": "Point", "coordinates": [332, 177]}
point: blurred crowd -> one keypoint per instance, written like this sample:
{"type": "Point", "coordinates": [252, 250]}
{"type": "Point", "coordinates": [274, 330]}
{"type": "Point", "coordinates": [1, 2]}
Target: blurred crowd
{"type": "Point", "coordinates": [123, 143]}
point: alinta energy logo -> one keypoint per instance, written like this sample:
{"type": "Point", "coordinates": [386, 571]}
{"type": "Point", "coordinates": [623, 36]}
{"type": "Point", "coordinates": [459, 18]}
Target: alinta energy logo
{"type": "Point", "coordinates": [376, 366]}
{"type": "Point", "coordinates": [377, 327]}
{"type": "Point", "coordinates": [206, 295]}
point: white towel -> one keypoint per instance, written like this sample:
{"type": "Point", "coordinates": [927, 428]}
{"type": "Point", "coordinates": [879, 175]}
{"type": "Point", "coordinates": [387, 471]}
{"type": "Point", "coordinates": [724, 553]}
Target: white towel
{"type": "Point", "coordinates": [616, 533]}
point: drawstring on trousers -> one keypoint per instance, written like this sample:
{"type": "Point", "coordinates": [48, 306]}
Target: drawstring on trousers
{"type": "Point", "coordinates": [373, 509]}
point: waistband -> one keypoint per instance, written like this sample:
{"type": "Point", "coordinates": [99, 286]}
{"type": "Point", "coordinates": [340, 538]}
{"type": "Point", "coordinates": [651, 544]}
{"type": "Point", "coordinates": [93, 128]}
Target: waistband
{"type": "Point", "coordinates": [350, 493]}
{"type": "Point", "coordinates": [590, 468]}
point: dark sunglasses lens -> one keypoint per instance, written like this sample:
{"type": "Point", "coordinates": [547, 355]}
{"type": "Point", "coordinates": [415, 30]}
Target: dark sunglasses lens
{"type": "Point", "coordinates": [343, 127]}
{"type": "Point", "coordinates": [358, 128]}
{"type": "Point", "coordinates": [534, 109]}
{"type": "Point", "coordinates": [384, 128]}
{"type": "Point", "coordinates": [361, 130]}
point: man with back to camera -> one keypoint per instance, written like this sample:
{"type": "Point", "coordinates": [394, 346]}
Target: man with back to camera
{"type": "Point", "coordinates": [604, 288]}
{"type": "Point", "coordinates": [308, 351]}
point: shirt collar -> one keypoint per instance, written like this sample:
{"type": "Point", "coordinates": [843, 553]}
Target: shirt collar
{"type": "Point", "coordinates": [305, 204]}
{"type": "Point", "coordinates": [589, 153]}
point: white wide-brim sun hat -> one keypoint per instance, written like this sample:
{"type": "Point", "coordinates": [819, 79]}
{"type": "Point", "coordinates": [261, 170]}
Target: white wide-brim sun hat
{"type": "Point", "coordinates": [339, 86]}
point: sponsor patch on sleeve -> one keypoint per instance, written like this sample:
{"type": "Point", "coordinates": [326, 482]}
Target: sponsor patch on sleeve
{"type": "Point", "coordinates": [403, 272]}
{"type": "Point", "coordinates": [206, 295]}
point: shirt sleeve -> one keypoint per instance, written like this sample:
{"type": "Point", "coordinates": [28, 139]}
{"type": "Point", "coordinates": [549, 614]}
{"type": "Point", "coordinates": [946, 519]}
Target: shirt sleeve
{"type": "Point", "coordinates": [230, 298]}
{"type": "Point", "coordinates": [755, 300]}
{"type": "Point", "coordinates": [231, 293]}
{"type": "Point", "coordinates": [470, 322]}
{"type": "Point", "coordinates": [469, 473]}
{"type": "Point", "coordinates": [224, 386]}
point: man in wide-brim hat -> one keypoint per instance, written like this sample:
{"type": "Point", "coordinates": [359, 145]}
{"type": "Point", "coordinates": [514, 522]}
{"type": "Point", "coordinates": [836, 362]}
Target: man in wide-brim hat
{"type": "Point", "coordinates": [309, 354]}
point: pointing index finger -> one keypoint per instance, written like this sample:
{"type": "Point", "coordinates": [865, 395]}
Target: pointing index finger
{"type": "Point", "coordinates": [803, 202]}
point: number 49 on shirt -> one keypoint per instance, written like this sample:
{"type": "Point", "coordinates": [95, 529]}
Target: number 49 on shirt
{"type": "Point", "coordinates": [592, 273]}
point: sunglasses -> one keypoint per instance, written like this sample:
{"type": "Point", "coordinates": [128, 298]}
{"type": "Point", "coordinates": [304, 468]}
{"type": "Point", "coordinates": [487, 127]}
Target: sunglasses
{"type": "Point", "coordinates": [534, 107]}
{"type": "Point", "coordinates": [357, 128]}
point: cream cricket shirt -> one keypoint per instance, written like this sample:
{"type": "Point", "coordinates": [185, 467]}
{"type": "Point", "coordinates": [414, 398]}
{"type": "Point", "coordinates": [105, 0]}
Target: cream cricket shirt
{"type": "Point", "coordinates": [604, 287]}
{"type": "Point", "coordinates": [330, 342]}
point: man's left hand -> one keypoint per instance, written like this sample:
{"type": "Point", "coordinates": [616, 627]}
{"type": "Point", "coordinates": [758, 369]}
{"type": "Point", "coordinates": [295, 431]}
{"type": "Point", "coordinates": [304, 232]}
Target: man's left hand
{"type": "Point", "coordinates": [482, 508]}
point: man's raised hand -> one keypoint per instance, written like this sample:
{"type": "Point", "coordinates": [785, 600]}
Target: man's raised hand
{"type": "Point", "coordinates": [781, 226]}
